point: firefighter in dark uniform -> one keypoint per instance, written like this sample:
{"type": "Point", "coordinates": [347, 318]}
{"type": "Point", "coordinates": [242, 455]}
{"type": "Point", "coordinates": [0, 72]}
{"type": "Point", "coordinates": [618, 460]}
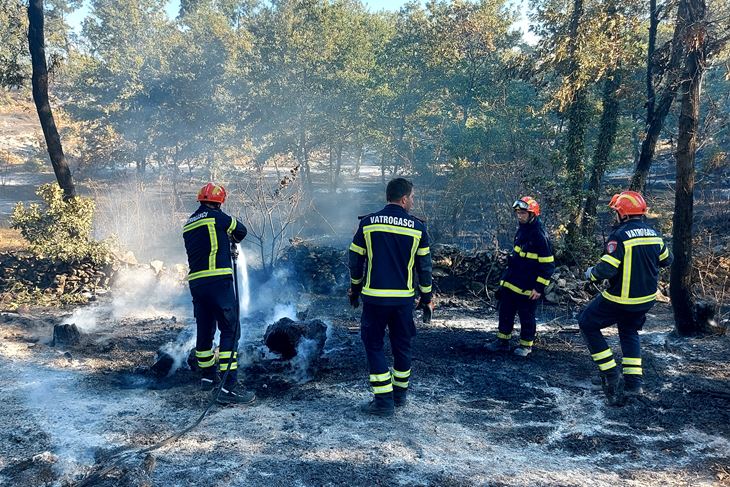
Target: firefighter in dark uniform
{"type": "Point", "coordinates": [634, 253]}
{"type": "Point", "coordinates": [395, 246]}
{"type": "Point", "coordinates": [209, 234]}
{"type": "Point", "coordinates": [529, 267]}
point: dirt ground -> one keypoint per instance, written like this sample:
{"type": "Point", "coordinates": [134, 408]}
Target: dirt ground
{"type": "Point", "coordinates": [474, 418]}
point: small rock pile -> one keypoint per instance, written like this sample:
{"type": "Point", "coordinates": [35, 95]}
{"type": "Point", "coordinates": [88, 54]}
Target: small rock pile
{"type": "Point", "coordinates": [456, 271]}
{"type": "Point", "coordinates": [319, 270]}
{"type": "Point", "coordinates": [27, 279]}
{"type": "Point", "coordinates": [566, 287]}
{"type": "Point", "coordinates": [24, 274]}
{"type": "Point", "coordinates": [465, 272]}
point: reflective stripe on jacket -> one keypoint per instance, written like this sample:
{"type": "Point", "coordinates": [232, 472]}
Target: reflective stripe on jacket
{"type": "Point", "coordinates": [531, 262]}
{"type": "Point", "coordinates": [207, 235]}
{"type": "Point", "coordinates": [634, 253]}
{"type": "Point", "coordinates": [395, 247]}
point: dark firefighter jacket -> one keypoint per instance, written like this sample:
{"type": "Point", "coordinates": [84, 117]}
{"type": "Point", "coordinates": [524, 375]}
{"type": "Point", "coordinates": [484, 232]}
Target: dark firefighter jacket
{"type": "Point", "coordinates": [531, 262]}
{"type": "Point", "coordinates": [394, 245]}
{"type": "Point", "coordinates": [207, 242]}
{"type": "Point", "coordinates": [634, 254]}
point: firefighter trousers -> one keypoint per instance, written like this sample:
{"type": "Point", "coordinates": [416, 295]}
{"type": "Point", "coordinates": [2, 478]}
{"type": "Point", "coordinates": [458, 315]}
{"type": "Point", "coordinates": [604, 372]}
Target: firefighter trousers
{"type": "Point", "coordinates": [601, 313]}
{"type": "Point", "coordinates": [511, 304]}
{"type": "Point", "coordinates": [401, 329]}
{"type": "Point", "coordinates": [215, 305]}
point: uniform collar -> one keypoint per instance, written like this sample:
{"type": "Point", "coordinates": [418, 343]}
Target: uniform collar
{"type": "Point", "coordinates": [394, 207]}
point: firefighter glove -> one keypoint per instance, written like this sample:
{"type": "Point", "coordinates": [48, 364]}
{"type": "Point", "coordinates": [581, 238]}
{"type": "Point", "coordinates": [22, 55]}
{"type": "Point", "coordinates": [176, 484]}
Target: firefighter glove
{"type": "Point", "coordinates": [354, 295]}
{"type": "Point", "coordinates": [588, 273]}
{"type": "Point", "coordinates": [427, 307]}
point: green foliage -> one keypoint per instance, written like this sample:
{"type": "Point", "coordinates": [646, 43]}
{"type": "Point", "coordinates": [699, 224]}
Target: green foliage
{"type": "Point", "coordinates": [14, 64]}
{"type": "Point", "coordinates": [60, 230]}
{"type": "Point", "coordinates": [15, 67]}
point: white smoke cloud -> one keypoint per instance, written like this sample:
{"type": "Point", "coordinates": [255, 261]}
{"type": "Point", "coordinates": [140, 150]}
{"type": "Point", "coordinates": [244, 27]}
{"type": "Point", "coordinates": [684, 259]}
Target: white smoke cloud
{"type": "Point", "coordinates": [137, 294]}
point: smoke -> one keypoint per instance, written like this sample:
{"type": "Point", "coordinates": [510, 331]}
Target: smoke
{"type": "Point", "coordinates": [301, 364]}
{"type": "Point", "coordinates": [137, 294]}
{"type": "Point", "coordinates": [144, 218]}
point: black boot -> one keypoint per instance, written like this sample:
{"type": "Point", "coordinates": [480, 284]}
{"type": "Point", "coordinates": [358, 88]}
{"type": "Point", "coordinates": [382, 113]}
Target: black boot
{"type": "Point", "coordinates": [400, 396]}
{"type": "Point", "coordinates": [498, 345]}
{"type": "Point", "coordinates": [381, 405]}
{"type": "Point", "coordinates": [633, 386]}
{"type": "Point", "coordinates": [209, 381]}
{"type": "Point", "coordinates": [613, 388]}
{"type": "Point", "coordinates": [236, 396]}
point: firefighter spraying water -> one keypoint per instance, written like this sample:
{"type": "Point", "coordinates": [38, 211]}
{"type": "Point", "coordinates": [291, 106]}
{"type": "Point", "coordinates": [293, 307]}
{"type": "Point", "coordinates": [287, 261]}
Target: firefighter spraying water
{"type": "Point", "coordinates": [210, 236]}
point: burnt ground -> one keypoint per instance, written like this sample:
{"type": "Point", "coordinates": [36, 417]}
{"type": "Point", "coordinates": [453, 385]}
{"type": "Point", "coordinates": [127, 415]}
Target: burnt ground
{"type": "Point", "coordinates": [474, 419]}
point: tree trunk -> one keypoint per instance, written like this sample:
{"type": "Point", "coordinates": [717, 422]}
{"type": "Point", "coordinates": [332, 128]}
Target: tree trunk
{"type": "Point", "coordinates": [358, 160]}
{"type": "Point", "coordinates": [650, 91]}
{"type": "Point", "coordinates": [338, 166]}
{"type": "Point", "coordinates": [331, 172]}
{"type": "Point", "coordinates": [577, 124]}
{"type": "Point", "coordinates": [575, 154]}
{"type": "Point", "coordinates": [304, 159]}
{"type": "Point", "coordinates": [691, 13]}
{"type": "Point", "coordinates": [659, 111]}
{"type": "Point", "coordinates": [602, 154]}
{"type": "Point", "coordinates": [36, 44]}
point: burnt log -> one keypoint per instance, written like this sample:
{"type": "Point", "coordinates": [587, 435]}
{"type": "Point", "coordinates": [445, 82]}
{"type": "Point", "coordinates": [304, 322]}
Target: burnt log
{"type": "Point", "coordinates": [66, 335]}
{"type": "Point", "coordinates": [166, 363]}
{"type": "Point", "coordinates": [163, 365]}
{"type": "Point", "coordinates": [285, 336]}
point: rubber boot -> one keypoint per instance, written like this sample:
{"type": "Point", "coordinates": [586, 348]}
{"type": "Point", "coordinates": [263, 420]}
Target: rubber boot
{"type": "Point", "coordinates": [498, 345]}
{"type": "Point", "coordinates": [613, 388]}
{"type": "Point", "coordinates": [400, 396]}
{"type": "Point", "coordinates": [381, 405]}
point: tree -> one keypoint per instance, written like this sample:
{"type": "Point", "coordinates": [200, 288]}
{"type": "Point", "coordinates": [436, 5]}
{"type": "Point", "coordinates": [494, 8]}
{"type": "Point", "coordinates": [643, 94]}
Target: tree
{"type": "Point", "coordinates": [36, 43]}
{"type": "Point", "coordinates": [13, 24]}
{"type": "Point", "coordinates": [118, 80]}
{"type": "Point", "coordinates": [698, 42]}
{"type": "Point", "coordinates": [667, 68]}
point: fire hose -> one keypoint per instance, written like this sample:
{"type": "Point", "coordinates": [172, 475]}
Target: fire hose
{"type": "Point", "coordinates": [128, 453]}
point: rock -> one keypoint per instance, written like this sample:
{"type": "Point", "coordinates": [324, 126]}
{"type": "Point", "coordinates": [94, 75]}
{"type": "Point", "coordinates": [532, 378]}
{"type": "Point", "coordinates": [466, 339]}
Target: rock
{"type": "Point", "coordinates": [285, 336]}
{"type": "Point", "coordinates": [129, 258]}
{"type": "Point", "coordinates": [661, 297]}
{"type": "Point", "coordinates": [156, 266]}
{"type": "Point", "coordinates": [66, 335]}
{"type": "Point", "coordinates": [552, 297]}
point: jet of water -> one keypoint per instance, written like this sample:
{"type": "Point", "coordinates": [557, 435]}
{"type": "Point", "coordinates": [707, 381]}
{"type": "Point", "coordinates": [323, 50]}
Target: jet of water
{"type": "Point", "coordinates": [244, 290]}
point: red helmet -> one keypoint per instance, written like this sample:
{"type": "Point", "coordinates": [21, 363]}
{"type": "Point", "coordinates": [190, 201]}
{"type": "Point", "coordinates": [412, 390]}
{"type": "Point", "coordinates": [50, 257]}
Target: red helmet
{"type": "Point", "coordinates": [212, 193]}
{"type": "Point", "coordinates": [527, 203]}
{"type": "Point", "coordinates": [628, 203]}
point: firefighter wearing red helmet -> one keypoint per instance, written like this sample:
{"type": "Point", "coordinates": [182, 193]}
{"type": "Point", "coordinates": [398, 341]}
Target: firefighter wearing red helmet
{"type": "Point", "coordinates": [634, 253]}
{"type": "Point", "coordinates": [529, 267]}
{"type": "Point", "coordinates": [208, 235]}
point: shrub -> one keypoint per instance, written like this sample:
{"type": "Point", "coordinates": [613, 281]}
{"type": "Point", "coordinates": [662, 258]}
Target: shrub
{"type": "Point", "coordinates": [58, 229]}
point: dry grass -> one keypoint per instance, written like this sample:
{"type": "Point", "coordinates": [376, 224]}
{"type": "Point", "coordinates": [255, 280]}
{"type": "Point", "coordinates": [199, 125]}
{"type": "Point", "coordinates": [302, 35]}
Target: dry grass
{"type": "Point", "coordinates": [11, 240]}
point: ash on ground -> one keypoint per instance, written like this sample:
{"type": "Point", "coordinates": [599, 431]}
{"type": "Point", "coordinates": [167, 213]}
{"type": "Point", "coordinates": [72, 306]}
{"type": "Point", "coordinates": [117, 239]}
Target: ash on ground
{"type": "Point", "coordinates": [475, 418]}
